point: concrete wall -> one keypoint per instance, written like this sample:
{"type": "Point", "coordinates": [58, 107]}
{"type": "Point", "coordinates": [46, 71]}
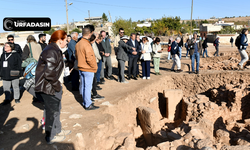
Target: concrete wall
{"type": "Point", "coordinates": [225, 38]}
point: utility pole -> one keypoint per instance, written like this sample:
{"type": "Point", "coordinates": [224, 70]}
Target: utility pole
{"type": "Point", "coordinates": [110, 17]}
{"type": "Point", "coordinates": [89, 16]}
{"type": "Point", "coordinates": [191, 17]}
{"type": "Point", "coordinates": [67, 16]}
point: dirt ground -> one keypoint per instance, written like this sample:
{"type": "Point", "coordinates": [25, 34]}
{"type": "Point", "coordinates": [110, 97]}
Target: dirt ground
{"type": "Point", "coordinates": [20, 126]}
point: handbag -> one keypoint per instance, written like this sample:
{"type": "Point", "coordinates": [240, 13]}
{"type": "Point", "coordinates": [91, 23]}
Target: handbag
{"type": "Point", "coordinates": [14, 73]}
{"type": "Point", "coordinates": [29, 60]}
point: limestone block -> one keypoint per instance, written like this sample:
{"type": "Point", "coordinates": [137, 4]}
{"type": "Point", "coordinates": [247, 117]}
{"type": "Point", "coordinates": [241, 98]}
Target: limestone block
{"type": "Point", "coordinates": [204, 143]}
{"type": "Point", "coordinates": [173, 98]}
{"type": "Point", "coordinates": [164, 145]}
{"type": "Point", "coordinates": [223, 136]}
{"type": "Point", "coordinates": [129, 143]}
{"type": "Point", "coordinates": [207, 126]}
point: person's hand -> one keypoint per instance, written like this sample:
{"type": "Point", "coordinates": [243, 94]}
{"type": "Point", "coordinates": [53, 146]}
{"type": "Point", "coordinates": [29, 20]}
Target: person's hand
{"type": "Point", "coordinates": [107, 54]}
{"type": "Point", "coordinates": [143, 52]}
{"type": "Point", "coordinates": [134, 48]}
{"type": "Point", "coordinates": [134, 53]}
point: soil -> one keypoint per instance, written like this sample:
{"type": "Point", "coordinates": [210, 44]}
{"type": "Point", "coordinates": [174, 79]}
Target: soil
{"type": "Point", "coordinates": [116, 120]}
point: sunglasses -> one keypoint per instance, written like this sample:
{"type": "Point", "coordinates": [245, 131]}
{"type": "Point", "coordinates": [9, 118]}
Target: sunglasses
{"type": "Point", "coordinates": [121, 32]}
{"type": "Point", "coordinates": [10, 39]}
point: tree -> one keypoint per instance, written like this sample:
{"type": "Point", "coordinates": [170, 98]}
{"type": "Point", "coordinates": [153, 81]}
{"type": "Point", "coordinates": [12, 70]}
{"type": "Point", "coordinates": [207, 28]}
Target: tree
{"type": "Point", "coordinates": [76, 30]}
{"type": "Point", "coordinates": [127, 25]}
{"type": "Point", "coordinates": [227, 30]}
{"type": "Point", "coordinates": [50, 31]}
{"type": "Point", "coordinates": [104, 18]}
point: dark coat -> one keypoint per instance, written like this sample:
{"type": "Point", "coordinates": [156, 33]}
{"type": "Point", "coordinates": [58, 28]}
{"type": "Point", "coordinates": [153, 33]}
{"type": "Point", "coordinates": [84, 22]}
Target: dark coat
{"type": "Point", "coordinates": [137, 46]}
{"type": "Point", "coordinates": [204, 44]}
{"type": "Point", "coordinates": [122, 51]}
{"type": "Point", "coordinates": [18, 49]}
{"type": "Point", "coordinates": [48, 71]}
{"type": "Point", "coordinates": [43, 45]}
{"type": "Point", "coordinates": [14, 63]}
{"type": "Point", "coordinates": [191, 44]}
{"type": "Point", "coordinates": [243, 42]}
{"type": "Point", "coordinates": [174, 48]}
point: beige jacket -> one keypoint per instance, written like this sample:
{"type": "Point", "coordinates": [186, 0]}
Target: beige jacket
{"type": "Point", "coordinates": [97, 53]}
{"type": "Point", "coordinates": [155, 49]}
{"type": "Point", "coordinates": [36, 50]}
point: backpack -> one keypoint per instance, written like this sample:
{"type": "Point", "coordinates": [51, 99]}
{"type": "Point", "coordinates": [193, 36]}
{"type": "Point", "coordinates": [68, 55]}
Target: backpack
{"type": "Point", "coordinates": [237, 41]}
{"type": "Point", "coordinates": [30, 70]}
{"type": "Point", "coordinates": [214, 42]}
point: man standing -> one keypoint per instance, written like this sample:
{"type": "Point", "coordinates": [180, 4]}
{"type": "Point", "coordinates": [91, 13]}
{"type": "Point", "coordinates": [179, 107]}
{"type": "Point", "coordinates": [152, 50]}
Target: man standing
{"type": "Point", "coordinates": [107, 57]}
{"type": "Point", "coordinates": [117, 39]}
{"type": "Point", "coordinates": [87, 67]}
{"type": "Point", "coordinates": [18, 48]}
{"type": "Point", "coordinates": [74, 75]}
{"type": "Point", "coordinates": [175, 55]}
{"type": "Point", "coordinates": [195, 45]}
{"type": "Point", "coordinates": [42, 40]}
{"type": "Point", "coordinates": [133, 56]}
{"type": "Point", "coordinates": [216, 45]}
{"type": "Point", "coordinates": [232, 41]}
{"type": "Point", "coordinates": [180, 44]}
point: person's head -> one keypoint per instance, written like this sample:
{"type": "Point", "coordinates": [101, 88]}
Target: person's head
{"type": "Point", "coordinates": [92, 38]}
{"type": "Point", "coordinates": [86, 33]}
{"type": "Point", "coordinates": [68, 38]}
{"type": "Point", "coordinates": [103, 33]}
{"type": "Point", "coordinates": [144, 40]}
{"type": "Point", "coordinates": [132, 36]}
{"type": "Point", "coordinates": [74, 36]}
{"type": "Point", "coordinates": [90, 27]}
{"type": "Point", "coordinates": [244, 31]}
{"type": "Point", "coordinates": [10, 38]}
{"type": "Point", "coordinates": [218, 37]}
{"type": "Point", "coordinates": [42, 37]}
{"type": "Point", "coordinates": [195, 35]}
{"type": "Point", "coordinates": [138, 37]}
{"type": "Point", "coordinates": [157, 40]}
{"type": "Point", "coordinates": [99, 38]}
{"type": "Point", "coordinates": [31, 38]}
{"type": "Point", "coordinates": [125, 38]}
{"type": "Point", "coordinates": [178, 39]}
{"type": "Point", "coordinates": [9, 46]}
{"type": "Point", "coordinates": [121, 32]}
{"type": "Point", "coordinates": [59, 37]}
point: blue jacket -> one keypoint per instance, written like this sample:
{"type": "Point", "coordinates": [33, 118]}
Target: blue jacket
{"type": "Point", "coordinates": [174, 48]}
{"type": "Point", "coordinates": [137, 46]}
{"type": "Point", "coordinates": [216, 42]}
{"type": "Point", "coordinates": [71, 49]}
{"type": "Point", "coordinates": [243, 42]}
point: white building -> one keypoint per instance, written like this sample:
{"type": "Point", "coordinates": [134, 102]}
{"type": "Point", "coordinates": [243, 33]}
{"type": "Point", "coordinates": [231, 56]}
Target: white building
{"type": "Point", "coordinates": [145, 24]}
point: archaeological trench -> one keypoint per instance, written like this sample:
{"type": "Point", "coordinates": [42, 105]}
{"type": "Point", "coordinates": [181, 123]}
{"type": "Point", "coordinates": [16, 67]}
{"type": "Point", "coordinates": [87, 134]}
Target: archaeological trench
{"type": "Point", "coordinates": [209, 111]}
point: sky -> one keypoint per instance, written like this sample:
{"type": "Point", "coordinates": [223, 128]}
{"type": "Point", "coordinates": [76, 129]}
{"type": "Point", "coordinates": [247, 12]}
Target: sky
{"type": "Point", "coordinates": [134, 9]}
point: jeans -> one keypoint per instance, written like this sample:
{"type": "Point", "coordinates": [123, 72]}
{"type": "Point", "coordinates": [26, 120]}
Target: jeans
{"type": "Point", "coordinates": [157, 64]}
{"type": "Point", "coordinates": [205, 52]}
{"type": "Point", "coordinates": [86, 81]}
{"type": "Point", "coordinates": [244, 57]}
{"type": "Point", "coordinates": [180, 50]}
{"type": "Point", "coordinates": [6, 89]}
{"type": "Point", "coordinates": [196, 56]}
{"type": "Point", "coordinates": [108, 66]}
{"type": "Point", "coordinates": [176, 61]}
{"type": "Point", "coordinates": [169, 55]}
{"type": "Point", "coordinates": [98, 73]}
{"type": "Point", "coordinates": [145, 68]}
{"type": "Point", "coordinates": [217, 51]}
{"type": "Point", "coordinates": [187, 52]}
{"type": "Point", "coordinates": [121, 68]}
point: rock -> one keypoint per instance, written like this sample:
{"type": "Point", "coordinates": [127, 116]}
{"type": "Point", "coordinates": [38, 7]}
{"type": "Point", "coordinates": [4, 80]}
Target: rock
{"type": "Point", "coordinates": [26, 127]}
{"type": "Point", "coordinates": [129, 143]}
{"type": "Point", "coordinates": [137, 132]}
{"type": "Point", "coordinates": [202, 98]}
{"type": "Point", "coordinates": [109, 142]}
{"type": "Point", "coordinates": [214, 93]}
{"type": "Point", "coordinates": [149, 121]}
{"type": "Point", "coordinates": [152, 148]}
{"type": "Point", "coordinates": [204, 143]}
{"type": "Point", "coordinates": [75, 116]}
{"type": "Point", "coordinates": [207, 126]}
{"type": "Point", "coordinates": [195, 132]}
{"type": "Point", "coordinates": [164, 145]}
{"type": "Point", "coordinates": [77, 125]}
{"type": "Point", "coordinates": [235, 147]}
{"type": "Point", "coordinates": [80, 141]}
{"type": "Point", "coordinates": [137, 148]}
{"type": "Point", "coordinates": [152, 100]}
{"type": "Point", "coordinates": [206, 148]}
{"type": "Point", "coordinates": [120, 137]}
{"type": "Point", "coordinates": [242, 142]}
{"type": "Point", "coordinates": [106, 104]}
{"type": "Point", "coordinates": [223, 136]}
{"type": "Point", "coordinates": [173, 136]}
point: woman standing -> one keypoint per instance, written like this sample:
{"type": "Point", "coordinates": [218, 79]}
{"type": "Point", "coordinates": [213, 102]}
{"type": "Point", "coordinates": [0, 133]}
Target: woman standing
{"type": "Point", "coordinates": [49, 69]}
{"type": "Point", "coordinates": [10, 71]}
{"type": "Point", "coordinates": [122, 57]}
{"type": "Point", "coordinates": [242, 48]}
{"type": "Point", "coordinates": [157, 55]}
{"type": "Point", "coordinates": [205, 46]}
{"type": "Point", "coordinates": [145, 58]}
{"type": "Point", "coordinates": [32, 46]}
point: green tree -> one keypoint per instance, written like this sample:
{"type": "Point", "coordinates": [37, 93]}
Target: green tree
{"type": "Point", "coordinates": [227, 30]}
{"type": "Point", "coordinates": [50, 31]}
{"type": "Point", "coordinates": [76, 30]}
{"type": "Point", "coordinates": [104, 18]}
{"type": "Point", "coordinates": [128, 26]}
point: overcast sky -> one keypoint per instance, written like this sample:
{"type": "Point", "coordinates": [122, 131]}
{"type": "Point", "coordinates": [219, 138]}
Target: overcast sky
{"type": "Point", "coordinates": [135, 9]}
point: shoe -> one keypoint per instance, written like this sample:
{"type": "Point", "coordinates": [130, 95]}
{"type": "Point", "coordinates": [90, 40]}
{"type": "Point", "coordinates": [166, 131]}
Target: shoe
{"type": "Point", "coordinates": [148, 78]}
{"type": "Point", "coordinates": [5, 102]}
{"type": "Point", "coordinates": [64, 132]}
{"type": "Point", "coordinates": [192, 72]}
{"type": "Point", "coordinates": [159, 73]}
{"type": "Point", "coordinates": [99, 83]}
{"type": "Point", "coordinates": [172, 70]}
{"type": "Point", "coordinates": [179, 70]}
{"type": "Point", "coordinates": [17, 101]}
{"type": "Point", "coordinates": [135, 78]}
{"type": "Point", "coordinates": [144, 78]}
{"type": "Point", "coordinates": [156, 73]}
{"type": "Point", "coordinates": [197, 72]}
{"type": "Point", "coordinates": [102, 80]}
{"type": "Point", "coordinates": [110, 77]}
{"type": "Point", "coordinates": [138, 76]}
{"type": "Point", "coordinates": [96, 97]}
{"type": "Point", "coordinates": [129, 78]}
{"type": "Point", "coordinates": [92, 107]}
{"type": "Point", "coordinates": [56, 139]}
{"type": "Point", "coordinates": [98, 88]}
{"type": "Point", "coordinates": [124, 82]}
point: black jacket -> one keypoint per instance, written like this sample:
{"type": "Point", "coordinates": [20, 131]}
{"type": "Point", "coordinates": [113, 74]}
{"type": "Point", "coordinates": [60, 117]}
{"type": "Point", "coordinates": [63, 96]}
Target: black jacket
{"type": "Point", "coordinates": [137, 46]}
{"type": "Point", "coordinates": [18, 49]}
{"type": "Point", "coordinates": [14, 63]}
{"type": "Point", "coordinates": [204, 44]}
{"type": "Point", "coordinates": [43, 45]}
{"type": "Point", "coordinates": [48, 71]}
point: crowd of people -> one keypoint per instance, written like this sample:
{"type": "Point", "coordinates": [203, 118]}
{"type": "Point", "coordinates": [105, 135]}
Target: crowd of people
{"type": "Point", "coordinates": [88, 59]}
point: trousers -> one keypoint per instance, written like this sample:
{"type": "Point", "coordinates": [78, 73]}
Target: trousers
{"type": "Point", "coordinates": [108, 66]}
{"type": "Point", "coordinates": [6, 89]}
{"type": "Point", "coordinates": [121, 68]}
